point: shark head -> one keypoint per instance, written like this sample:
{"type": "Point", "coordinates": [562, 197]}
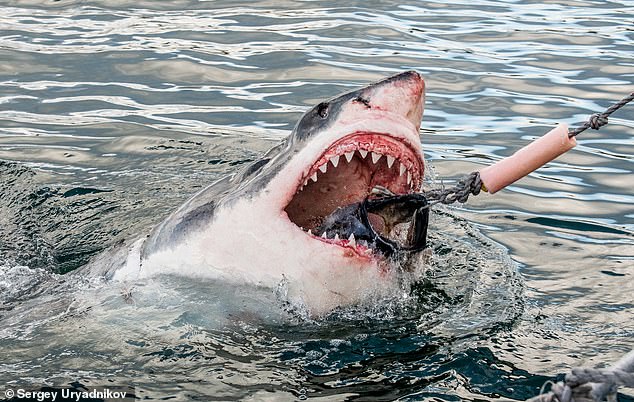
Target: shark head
{"type": "Point", "coordinates": [261, 226]}
{"type": "Point", "coordinates": [353, 143]}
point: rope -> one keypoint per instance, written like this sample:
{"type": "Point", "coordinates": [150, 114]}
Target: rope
{"type": "Point", "coordinates": [598, 120]}
{"type": "Point", "coordinates": [590, 384]}
{"type": "Point", "coordinates": [472, 184]}
{"type": "Point", "coordinates": [580, 376]}
{"type": "Point", "coordinates": [577, 385]}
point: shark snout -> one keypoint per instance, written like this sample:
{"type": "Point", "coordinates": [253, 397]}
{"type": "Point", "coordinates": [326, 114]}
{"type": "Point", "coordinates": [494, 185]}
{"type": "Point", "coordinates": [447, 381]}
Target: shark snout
{"type": "Point", "coordinates": [402, 95]}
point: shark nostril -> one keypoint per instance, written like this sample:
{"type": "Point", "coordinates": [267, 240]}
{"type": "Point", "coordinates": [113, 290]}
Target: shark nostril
{"type": "Point", "coordinates": [364, 101]}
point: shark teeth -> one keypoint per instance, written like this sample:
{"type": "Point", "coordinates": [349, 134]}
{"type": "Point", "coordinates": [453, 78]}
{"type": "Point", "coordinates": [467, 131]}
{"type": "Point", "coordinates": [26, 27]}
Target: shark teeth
{"type": "Point", "coordinates": [376, 157]}
{"type": "Point", "coordinates": [325, 235]}
{"type": "Point", "coordinates": [362, 246]}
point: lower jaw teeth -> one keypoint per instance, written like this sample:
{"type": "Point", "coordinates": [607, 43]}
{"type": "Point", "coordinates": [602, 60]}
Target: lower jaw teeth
{"type": "Point", "coordinates": [352, 241]}
{"type": "Point", "coordinates": [362, 245]}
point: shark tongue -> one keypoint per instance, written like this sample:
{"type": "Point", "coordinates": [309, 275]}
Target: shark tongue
{"type": "Point", "coordinates": [379, 222]}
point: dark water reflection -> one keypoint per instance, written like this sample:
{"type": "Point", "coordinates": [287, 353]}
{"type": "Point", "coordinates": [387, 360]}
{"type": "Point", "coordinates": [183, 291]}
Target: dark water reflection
{"type": "Point", "coordinates": [152, 100]}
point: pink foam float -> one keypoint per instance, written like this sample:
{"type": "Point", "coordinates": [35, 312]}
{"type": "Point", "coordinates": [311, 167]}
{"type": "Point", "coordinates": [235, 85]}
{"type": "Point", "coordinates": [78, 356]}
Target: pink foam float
{"type": "Point", "coordinates": [528, 159]}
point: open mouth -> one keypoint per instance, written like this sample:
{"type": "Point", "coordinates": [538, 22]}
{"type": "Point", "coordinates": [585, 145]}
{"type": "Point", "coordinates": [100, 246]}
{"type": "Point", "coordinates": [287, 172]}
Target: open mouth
{"type": "Point", "coordinates": [344, 176]}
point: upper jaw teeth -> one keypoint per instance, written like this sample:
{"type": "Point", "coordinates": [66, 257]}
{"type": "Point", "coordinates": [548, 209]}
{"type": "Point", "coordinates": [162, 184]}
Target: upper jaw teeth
{"type": "Point", "coordinates": [375, 156]}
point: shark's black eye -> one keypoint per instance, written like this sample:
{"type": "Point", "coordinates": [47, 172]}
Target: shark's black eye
{"type": "Point", "coordinates": [322, 110]}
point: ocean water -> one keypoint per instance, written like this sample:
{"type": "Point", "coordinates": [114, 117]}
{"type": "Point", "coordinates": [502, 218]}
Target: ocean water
{"type": "Point", "coordinates": [112, 113]}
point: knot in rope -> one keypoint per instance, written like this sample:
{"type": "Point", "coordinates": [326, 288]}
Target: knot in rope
{"type": "Point", "coordinates": [597, 121]}
{"type": "Point", "coordinates": [471, 184]}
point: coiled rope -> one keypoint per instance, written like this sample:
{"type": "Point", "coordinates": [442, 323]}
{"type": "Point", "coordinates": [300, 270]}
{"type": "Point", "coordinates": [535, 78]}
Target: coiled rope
{"type": "Point", "coordinates": [590, 384]}
{"type": "Point", "coordinates": [472, 184]}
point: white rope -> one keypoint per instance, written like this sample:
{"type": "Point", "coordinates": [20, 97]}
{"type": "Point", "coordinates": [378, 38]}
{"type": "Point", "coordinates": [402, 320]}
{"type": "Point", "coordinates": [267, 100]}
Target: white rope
{"type": "Point", "coordinates": [590, 384]}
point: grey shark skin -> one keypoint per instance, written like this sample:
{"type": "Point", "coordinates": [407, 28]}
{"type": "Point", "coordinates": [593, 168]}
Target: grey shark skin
{"type": "Point", "coordinates": [255, 227]}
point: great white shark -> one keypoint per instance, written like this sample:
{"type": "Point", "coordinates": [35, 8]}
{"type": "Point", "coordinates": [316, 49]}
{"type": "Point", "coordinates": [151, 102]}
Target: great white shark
{"type": "Point", "coordinates": [262, 225]}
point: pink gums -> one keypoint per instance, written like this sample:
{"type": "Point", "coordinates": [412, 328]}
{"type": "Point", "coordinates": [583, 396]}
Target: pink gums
{"type": "Point", "coordinates": [373, 142]}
